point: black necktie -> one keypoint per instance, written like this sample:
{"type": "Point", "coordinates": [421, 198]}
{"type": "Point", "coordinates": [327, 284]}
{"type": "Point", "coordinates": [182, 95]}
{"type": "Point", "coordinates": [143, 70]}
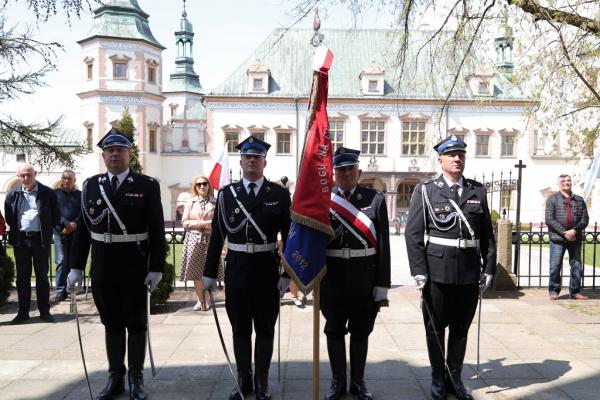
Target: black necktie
{"type": "Point", "coordinates": [114, 184]}
{"type": "Point", "coordinates": [347, 195]}
{"type": "Point", "coordinates": [251, 193]}
{"type": "Point", "coordinates": [455, 188]}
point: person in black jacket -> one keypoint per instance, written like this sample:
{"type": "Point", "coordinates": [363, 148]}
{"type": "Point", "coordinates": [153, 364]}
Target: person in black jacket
{"type": "Point", "coordinates": [451, 248]}
{"type": "Point", "coordinates": [32, 213]}
{"type": "Point", "coordinates": [358, 273]}
{"type": "Point", "coordinates": [567, 218]}
{"type": "Point", "coordinates": [250, 214]}
{"type": "Point", "coordinates": [122, 220]}
{"type": "Point", "coordinates": [69, 205]}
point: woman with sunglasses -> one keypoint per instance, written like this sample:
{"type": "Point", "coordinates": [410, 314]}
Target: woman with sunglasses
{"type": "Point", "coordinates": [197, 217]}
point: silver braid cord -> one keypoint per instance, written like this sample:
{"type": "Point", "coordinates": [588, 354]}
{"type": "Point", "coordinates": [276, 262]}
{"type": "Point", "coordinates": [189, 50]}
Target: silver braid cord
{"type": "Point", "coordinates": [451, 217]}
{"type": "Point", "coordinates": [97, 220]}
{"type": "Point", "coordinates": [229, 227]}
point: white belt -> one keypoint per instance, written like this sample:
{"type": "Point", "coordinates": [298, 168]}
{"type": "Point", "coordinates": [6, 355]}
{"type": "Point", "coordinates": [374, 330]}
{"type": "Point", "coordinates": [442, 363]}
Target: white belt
{"type": "Point", "coordinates": [251, 247]}
{"type": "Point", "coordinates": [115, 238]}
{"type": "Point", "coordinates": [458, 243]}
{"type": "Point", "coordinates": [350, 253]}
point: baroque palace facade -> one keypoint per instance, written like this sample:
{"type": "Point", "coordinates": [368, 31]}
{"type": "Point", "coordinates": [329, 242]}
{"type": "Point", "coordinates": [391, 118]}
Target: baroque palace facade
{"type": "Point", "coordinates": [393, 116]}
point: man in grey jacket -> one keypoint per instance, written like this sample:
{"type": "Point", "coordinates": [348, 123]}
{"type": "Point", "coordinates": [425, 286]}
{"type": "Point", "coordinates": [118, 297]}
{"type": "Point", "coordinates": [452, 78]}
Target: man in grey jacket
{"type": "Point", "coordinates": [566, 217]}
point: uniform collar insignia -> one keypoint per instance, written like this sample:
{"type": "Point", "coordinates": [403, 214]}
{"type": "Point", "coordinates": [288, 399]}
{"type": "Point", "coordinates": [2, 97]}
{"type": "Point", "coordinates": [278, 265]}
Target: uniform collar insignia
{"type": "Point", "coordinates": [129, 179]}
{"type": "Point", "coordinates": [102, 179]}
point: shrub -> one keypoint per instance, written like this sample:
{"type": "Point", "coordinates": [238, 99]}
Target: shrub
{"type": "Point", "coordinates": [7, 274]}
{"type": "Point", "coordinates": [163, 290]}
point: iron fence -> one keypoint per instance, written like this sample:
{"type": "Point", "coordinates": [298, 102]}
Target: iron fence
{"type": "Point", "coordinates": [534, 242]}
{"type": "Point", "coordinates": [173, 236]}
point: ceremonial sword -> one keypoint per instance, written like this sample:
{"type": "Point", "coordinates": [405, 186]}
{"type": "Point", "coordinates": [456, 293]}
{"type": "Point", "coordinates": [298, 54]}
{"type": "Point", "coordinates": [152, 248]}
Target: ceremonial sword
{"type": "Point", "coordinates": [212, 304]}
{"type": "Point", "coordinates": [148, 332]}
{"type": "Point", "coordinates": [74, 311]}
{"type": "Point", "coordinates": [477, 375]}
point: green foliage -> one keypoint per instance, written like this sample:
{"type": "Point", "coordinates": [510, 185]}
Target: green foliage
{"type": "Point", "coordinates": [163, 290]}
{"type": "Point", "coordinates": [127, 127]}
{"type": "Point", "coordinates": [495, 217]}
{"type": "Point", "coordinates": [7, 274]}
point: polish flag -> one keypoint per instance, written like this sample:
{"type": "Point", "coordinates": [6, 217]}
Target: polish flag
{"type": "Point", "coordinates": [219, 176]}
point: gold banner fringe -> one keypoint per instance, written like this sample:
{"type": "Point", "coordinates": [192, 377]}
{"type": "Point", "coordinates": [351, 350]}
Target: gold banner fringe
{"type": "Point", "coordinates": [306, 289]}
{"type": "Point", "coordinates": [313, 223]}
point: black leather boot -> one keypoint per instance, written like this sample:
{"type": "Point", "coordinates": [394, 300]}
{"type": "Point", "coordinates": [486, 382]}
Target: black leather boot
{"type": "Point", "coordinates": [358, 359]}
{"type": "Point", "coordinates": [263, 351]}
{"type": "Point", "coordinates": [115, 352]}
{"type": "Point", "coordinates": [336, 347]}
{"type": "Point", "coordinates": [438, 387]}
{"type": "Point", "coordinates": [436, 359]}
{"type": "Point", "coordinates": [136, 353]}
{"type": "Point", "coordinates": [457, 347]}
{"type": "Point", "coordinates": [242, 349]}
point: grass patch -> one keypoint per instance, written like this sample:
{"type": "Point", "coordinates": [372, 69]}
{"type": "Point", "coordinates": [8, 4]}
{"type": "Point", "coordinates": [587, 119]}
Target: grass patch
{"type": "Point", "coordinates": [591, 308]}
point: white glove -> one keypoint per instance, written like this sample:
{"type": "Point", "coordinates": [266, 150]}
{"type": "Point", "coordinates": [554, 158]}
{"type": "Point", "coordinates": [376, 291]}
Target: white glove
{"type": "Point", "coordinates": [380, 293]}
{"type": "Point", "coordinates": [152, 279]}
{"type": "Point", "coordinates": [209, 283]}
{"type": "Point", "coordinates": [420, 281]}
{"type": "Point", "coordinates": [75, 277]}
{"type": "Point", "coordinates": [283, 284]}
{"type": "Point", "coordinates": [485, 285]}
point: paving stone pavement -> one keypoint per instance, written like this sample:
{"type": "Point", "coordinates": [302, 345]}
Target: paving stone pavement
{"type": "Point", "coordinates": [531, 348]}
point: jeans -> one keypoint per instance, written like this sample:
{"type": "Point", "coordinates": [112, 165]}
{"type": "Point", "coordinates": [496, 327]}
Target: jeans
{"type": "Point", "coordinates": [557, 252]}
{"type": "Point", "coordinates": [62, 250]}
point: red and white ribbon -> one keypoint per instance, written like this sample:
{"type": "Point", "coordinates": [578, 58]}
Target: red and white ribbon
{"type": "Point", "coordinates": [357, 218]}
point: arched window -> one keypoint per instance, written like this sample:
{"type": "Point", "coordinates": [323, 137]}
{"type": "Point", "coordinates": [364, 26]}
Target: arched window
{"type": "Point", "coordinates": [405, 191]}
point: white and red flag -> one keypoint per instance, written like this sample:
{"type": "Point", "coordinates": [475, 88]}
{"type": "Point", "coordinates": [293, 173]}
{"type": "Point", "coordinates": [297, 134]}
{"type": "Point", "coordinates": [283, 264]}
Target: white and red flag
{"type": "Point", "coordinates": [219, 176]}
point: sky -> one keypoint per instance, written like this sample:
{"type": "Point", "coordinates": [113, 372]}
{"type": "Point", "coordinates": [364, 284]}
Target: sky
{"type": "Point", "coordinates": [226, 33]}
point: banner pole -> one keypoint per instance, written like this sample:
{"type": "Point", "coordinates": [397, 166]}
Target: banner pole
{"type": "Point", "coordinates": [316, 329]}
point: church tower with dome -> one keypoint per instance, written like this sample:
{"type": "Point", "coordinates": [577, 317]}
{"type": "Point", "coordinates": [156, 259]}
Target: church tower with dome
{"type": "Point", "coordinates": [121, 67]}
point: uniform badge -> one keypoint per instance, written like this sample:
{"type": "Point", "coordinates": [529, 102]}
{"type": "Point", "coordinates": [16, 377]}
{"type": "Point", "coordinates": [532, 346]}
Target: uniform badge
{"type": "Point", "coordinates": [98, 202]}
{"type": "Point", "coordinates": [232, 219]}
{"type": "Point", "coordinates": [237, 211]}
{"type": "Point", "coordinates": [440, 184]}
{"type": "Point", "coordinates": [454, 138]}
{"type": "Point", "coordinates": [268, 189]}
{"type": "Point", "coordinates": [447, 208]}
{"type": "Point", "coordinates": [250, 139]}
{"type": "Point", "coordinates": [92, 209]}
{"type": "Point", "coordinates": [359, 196]}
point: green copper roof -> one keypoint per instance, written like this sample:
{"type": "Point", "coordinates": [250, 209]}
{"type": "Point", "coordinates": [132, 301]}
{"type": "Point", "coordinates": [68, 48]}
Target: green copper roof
{"type": "Point", "coordinates": [122, 19]}
{"type": "Point", "coordinates": [289, 59]}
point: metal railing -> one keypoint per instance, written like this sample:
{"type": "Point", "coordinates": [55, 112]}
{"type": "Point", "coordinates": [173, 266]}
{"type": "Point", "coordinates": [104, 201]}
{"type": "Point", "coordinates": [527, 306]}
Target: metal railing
{"type": "Point", "coordinates": [534, 267]}
{"type": "Point", "coordinates": [173, 235]}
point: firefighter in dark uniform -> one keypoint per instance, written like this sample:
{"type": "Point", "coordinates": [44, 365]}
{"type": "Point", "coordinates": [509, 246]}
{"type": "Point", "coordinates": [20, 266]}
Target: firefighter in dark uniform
{"type": "Point", "coordinates": [250, 214]}
{"type": "Point", "coordinates": [451, 252]}
{"type": "Point", "coordinates": [358, 274]}
{"type": "Point", "coordinates": [124, 225]}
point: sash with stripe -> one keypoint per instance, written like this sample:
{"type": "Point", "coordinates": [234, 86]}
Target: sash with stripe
{"type": "Point", "coordinates": [355, 217]}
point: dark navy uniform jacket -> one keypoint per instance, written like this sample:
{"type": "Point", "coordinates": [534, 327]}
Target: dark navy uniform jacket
{"type": "Point", "coordinates": [137, 203]}
{"type": "Point", "coordinates": [447, 264]}
{"type": "Point", "coordinates": [271, 212]}
{"type": "Point", "coordinates": [359, 275]}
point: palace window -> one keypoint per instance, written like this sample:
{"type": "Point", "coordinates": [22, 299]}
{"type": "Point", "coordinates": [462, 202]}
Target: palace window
{"type": "Point", "coordinates": [232, 139]}
{"type": "Point", "coordinates": [89, 139]}
{"type": "Point", "coordinates": [413, 138]}
{"type": "Point", "coordinates": [151, 75]}
{"type": "Point", "coordinates": [507, 146]}
{"type": "Point", "coordinates": [90, 72]}
{"type": "Point", "coordinates": [336, 132]}
{"type": "Point", "coordinates": [152, 143]}
{"type": "Point", "coordinates": [482, 146]}
{"type": "Point", "coordinates": [258, 133]}
{"type": "Point", "coordinates": [257, 85]}
{"type": "Point", "coordinates": [373, 86]}
{"type": "Point", "coordinates": [120, 70]}
{"type": "Point", "coordinates": [284, 142]}
{"type": "Point", "coordinates": [372, 137]}
{"type": "Point", "coordinates": [20, 157]}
